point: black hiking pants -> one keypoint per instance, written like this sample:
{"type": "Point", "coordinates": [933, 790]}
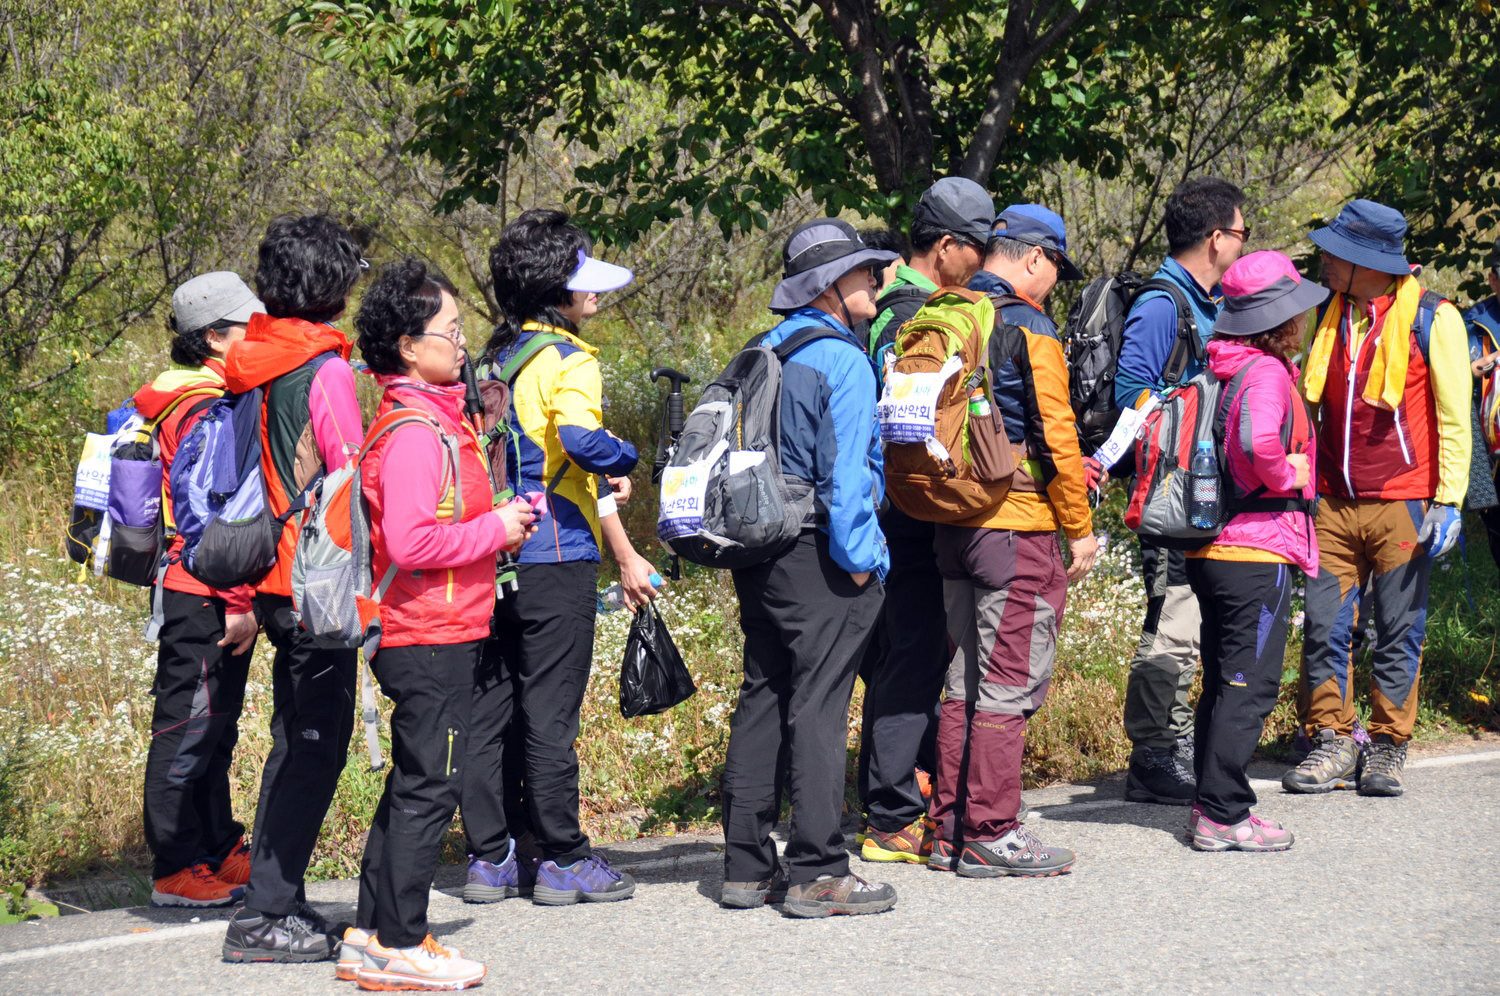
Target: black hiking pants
{"type": "Point", "coordinates": [199, 691]}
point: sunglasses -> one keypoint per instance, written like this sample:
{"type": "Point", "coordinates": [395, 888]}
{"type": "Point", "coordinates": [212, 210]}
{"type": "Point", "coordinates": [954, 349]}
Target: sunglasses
{"type": "Point", "coordinates": [1243, 234]}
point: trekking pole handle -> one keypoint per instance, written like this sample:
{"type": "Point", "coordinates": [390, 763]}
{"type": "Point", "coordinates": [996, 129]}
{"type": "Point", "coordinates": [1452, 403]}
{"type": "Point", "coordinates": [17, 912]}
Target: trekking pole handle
{"type": "Point", "coordinates": [675, 381]}
{"type": "Point", "coordinates": [473, 401]}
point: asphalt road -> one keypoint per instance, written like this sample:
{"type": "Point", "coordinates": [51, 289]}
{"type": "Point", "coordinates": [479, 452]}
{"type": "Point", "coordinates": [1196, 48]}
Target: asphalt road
{"type": "Point", "coordinates": [1377, 896]}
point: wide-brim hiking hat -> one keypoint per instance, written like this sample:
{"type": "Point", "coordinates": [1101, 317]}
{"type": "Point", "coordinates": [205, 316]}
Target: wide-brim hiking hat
{"type": "Point", "coordinates": [815, 256]}
{"type": "Point", "coordinates": [1037, 226]}
{"type": "Point", "coordinates": [1366, 234]}
{"type": "Point", "coordinates": [958, 206]}
{"type": "Point", "coordinates": [220, 296]}
{"type": "Point", "coordinates": [594, 276]}
{"type": "Point", "coordinates": [1261, 291]}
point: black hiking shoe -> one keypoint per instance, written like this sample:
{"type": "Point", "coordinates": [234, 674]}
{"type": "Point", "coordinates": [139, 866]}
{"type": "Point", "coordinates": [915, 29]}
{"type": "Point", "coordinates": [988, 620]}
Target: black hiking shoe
{"type": "Point", "coordinates": [1332, 764]}
{"type": "Point", "coordinates": [1158, 774]}
{"type": "Point", "coordinates": [1384, 764]}
{"type": "Point", "coordinates": [256, 937]}
{"type": "Point", "coordinates": [848, 895]}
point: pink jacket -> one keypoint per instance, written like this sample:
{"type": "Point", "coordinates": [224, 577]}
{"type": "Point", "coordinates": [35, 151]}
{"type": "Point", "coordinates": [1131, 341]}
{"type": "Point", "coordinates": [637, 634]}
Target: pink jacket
{"type": "Point", "coordinates": [1265, 398]}
{"type": "Point", "coordinates": [444, 588]}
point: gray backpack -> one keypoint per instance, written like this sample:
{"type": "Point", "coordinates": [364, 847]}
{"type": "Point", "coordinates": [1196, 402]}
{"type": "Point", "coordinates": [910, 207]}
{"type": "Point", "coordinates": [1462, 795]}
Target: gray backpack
{"type": "Point", "coordinates": [724, 500]}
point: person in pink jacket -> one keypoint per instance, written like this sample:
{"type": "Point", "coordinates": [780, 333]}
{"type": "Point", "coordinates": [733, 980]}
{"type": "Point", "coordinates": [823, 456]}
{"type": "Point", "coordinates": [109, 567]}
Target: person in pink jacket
{"type": "Point", "coordinates": [432, 518]}
{"type": "Point", "coordinates": [1243, 579]}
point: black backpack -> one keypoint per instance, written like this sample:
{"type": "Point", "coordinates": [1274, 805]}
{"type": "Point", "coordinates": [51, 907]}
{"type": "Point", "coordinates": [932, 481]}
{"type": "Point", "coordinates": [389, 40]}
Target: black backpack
{"type": "Point", "coordinates": [1091, 341]}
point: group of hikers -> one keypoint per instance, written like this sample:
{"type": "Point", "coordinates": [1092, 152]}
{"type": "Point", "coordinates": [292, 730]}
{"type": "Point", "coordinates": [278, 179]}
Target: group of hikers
{"type": "Point", "coordinates": [952, 622]}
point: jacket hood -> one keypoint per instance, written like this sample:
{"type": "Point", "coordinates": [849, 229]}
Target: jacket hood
{"type": "Point", "coordinates": [443, 400]}
{"type": "Point", "coordinates": [1227, 357]}
{"type": "Point", "coordinates": [153, 398]}
{"type": "Point", "coordinates": [276, 346]}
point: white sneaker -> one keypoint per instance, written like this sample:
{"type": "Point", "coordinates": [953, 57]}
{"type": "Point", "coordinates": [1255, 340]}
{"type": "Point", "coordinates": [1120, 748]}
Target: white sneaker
{"type": "Point", "coordinates": [352, 953]}
{"type": "Point", "coordinates": [428, 966]}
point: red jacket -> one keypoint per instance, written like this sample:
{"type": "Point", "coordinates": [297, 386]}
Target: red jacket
{"type": "Point", "coordinates": [153, 399]}
{"type": "Point", "coordinates": [444, 588]}
{"type": "Point", "coordinates": [311, 420]}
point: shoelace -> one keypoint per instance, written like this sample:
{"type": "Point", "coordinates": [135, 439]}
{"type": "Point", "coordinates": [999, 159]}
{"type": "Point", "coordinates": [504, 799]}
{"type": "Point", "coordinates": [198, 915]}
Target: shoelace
{"type": "Point", "coordinates": [1260, 821]}
{"type": "Point", "coordinates": [1383, 758]}
{"type": "Point", "coordinates": [298, 927]}
{"type": "Point", "coordinates": [433, 948]}
{"type": "Point", "coordinates": [1322, 751]}
{"type": "Point", "coordinates": [1031, 843]}
{"type": "Point", "coordinates": [202, 874]}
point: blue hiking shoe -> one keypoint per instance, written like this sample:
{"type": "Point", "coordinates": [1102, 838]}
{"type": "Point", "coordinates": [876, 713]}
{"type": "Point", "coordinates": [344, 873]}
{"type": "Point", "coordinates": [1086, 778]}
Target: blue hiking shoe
{"type": "Point", "coordinates": [490, 883]}
{"type": "Point", "coordinates": [587, 880]}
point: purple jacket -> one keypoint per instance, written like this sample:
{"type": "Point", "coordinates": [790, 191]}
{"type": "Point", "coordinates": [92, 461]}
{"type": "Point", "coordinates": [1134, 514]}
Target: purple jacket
{"type": "Point", "coordinates": [1265, 397]}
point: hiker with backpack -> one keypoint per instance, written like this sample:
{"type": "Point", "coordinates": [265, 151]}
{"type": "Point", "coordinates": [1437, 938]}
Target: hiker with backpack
{"type": "Point", "coordinates": [434, 532]}
{"type": "Point", "coordinates": [309, 422]}
{"type": "Point", "coordinates": [1162, 343]}
{"type": "Point", "coordinates": [535, 669]}
{"type": "Point", "coordinates": [206, 637]}
{"type": "Point", "coordinates": [808, 607]}
{"type": "Point", "coordinates": [906, 658]}
{"type": "Point", "coordinates": [1004, 579]}
{"type": "Point", "coordinates": [1483, 320]}
{"type": "Point", "coordinates": [1243, 578]}
{"type": "Point", "coordinates": [1388, 368]}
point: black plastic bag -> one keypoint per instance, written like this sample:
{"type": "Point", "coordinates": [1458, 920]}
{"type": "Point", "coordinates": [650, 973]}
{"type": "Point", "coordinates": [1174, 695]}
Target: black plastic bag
{"type": "Point", "coordinates": [652, 676]}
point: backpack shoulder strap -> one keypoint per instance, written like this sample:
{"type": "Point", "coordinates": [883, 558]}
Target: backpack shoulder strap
{"type": "Point", "coordinates": [1421, 325]}
{"type": "Point", "coordinates": [1188, 347]}
{"type": "Point", "coordinates": [894, 297]}
{"type": "Point", "coordinates": [527, 352]}
{"type": "Point", "coordinates": [802, 337]}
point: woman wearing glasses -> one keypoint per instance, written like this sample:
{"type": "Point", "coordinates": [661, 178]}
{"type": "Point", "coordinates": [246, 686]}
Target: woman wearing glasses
{"type": "Point", "coordinates": [435, 532]}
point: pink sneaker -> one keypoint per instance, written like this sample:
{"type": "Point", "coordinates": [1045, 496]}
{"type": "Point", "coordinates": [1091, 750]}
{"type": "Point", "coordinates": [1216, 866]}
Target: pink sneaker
{"type": "Point", "coordinates": [1254, 833]}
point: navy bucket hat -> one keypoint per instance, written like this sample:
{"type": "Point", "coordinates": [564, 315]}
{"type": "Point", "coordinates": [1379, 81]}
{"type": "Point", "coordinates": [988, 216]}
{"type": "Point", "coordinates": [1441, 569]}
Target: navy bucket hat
{"type": "Point", "coordinates": [1366, 234]}
{"type": "Point", "coordinates": [816, 255]}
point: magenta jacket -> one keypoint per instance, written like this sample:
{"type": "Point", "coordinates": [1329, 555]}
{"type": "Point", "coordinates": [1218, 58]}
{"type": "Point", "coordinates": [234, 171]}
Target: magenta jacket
{"type": "Point", "coordinates": [1265, 397]}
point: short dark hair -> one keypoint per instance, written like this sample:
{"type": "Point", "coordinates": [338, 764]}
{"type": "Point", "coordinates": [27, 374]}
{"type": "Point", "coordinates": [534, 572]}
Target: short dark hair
{"type": "Point", "coordinates": [884, 238]}
{"type": "Point", "coordinates": [190, 347]}
{"type": "Point", "coordinates": [308, 264]}
{"type": "Point", "coordinates": [1007, 248]}
{"type": "Point", "coordinates": [925, 235]}
{"type": "Point", "coordinates": [401, 301]}
{"type": "Point", "coordinates": [531, 264]}
{"type": "Point", "coordinates": [1197, 208]}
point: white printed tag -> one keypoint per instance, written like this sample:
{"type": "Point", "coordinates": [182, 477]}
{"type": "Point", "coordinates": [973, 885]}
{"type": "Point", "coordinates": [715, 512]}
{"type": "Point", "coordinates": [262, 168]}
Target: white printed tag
{"type": "Point", "coordinates": [1122, 439]}
{"type": "Point", "coordinates": [908, 407]}
{"type": "Point", "coordinates": [91, 482]}
{"type": "Point", "coordinates": [682, 495]}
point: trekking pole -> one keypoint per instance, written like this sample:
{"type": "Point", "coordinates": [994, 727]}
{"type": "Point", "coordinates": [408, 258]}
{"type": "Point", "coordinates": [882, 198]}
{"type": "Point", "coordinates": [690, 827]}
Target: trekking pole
{"type": "Point", "coordinates": [666, 440]}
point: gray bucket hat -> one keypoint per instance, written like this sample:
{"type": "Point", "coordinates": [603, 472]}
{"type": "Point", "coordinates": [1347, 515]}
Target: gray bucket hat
{"type": "Point", "coordinates": [816, 255]}
{"type": "Point", "coordinates": [220, 296]}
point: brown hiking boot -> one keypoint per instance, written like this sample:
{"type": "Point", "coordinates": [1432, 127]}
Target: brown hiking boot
{"type": "Point", "coordinates": [912, 843]}
{"type": "Point", "coordinates": [752, 895]}
{"type": "Point", "coordinates": [848, 895]}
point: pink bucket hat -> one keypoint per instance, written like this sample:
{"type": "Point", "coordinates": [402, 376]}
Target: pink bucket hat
{"type": "Point", "coordinates": [1262, 290]}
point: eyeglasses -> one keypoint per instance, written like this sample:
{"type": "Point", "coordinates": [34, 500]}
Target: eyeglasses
{"type": "Point", "coordinates": [1054, 257]}
{"type": "Point", "coordinates": [1243, 234]}
{"type": "Point", "coordinates": [454, 335]}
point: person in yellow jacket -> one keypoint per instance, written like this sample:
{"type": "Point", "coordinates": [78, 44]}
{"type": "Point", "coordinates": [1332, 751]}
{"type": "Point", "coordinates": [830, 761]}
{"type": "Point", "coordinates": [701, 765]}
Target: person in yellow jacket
{"type": "Point", "coordinates": [1004, 582]}
{"type": "Point", "coordinates": [1388, 368]}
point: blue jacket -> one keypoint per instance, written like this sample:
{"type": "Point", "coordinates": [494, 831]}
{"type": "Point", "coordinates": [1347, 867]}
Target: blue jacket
{"type": "Point", "coordinates": [1151, 331]}
{"type": "Point", "coordinates": [1009, 387]}
{"type": "Point", "coordinates": [829, 436]}
{"type": "Point", "coordinates": [1483, 320]}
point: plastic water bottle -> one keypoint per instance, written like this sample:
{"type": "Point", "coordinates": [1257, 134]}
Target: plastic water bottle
{"type": "Point", "coordinates": [612, 599]}
{"type": "Point", "coordinates": [1203, 487]}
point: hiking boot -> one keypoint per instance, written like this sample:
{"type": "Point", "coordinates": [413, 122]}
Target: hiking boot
{"type": "Point", "coordinates": [352, 953]}
{"type": "Point", "coordinates": [1333, 764]}
{"type": "Point", "coordinates": [1157, 774]}
{"type": "Point", "coordinates": [1383, 767]}
{"type": "Point", "coordinates": [1253, 833]}
{"type": "Point", "coordinates": [234, 868]}
{"type": "Point", "coordinates": [428, 967]}
{"type": "Point", "coordinates": [1018, 853]}
{"type": "Point", "coordinates": [589, 880]}
{"type": "Point", "coordinates": [195, 886]}
{"type": "Point", "coordinates": [257, 937]}
{"type": "Point", "coordinates": [833, 895]}
{"type": "Point", "coordinates": [912, 843]}
{"type": "Point", "coordinates": [490, 883]}
{"type": "Point", "coordinates": [941, 858]}
{"type": "Point", "coordinates": [752, 895]}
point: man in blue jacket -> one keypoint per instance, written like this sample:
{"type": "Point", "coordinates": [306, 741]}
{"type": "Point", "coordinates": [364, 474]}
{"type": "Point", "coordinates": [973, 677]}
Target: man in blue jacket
{"type": "Point", "coordinates": [1206, 232]}
{"type": "Point", "coordinates": [808, 612]}
{"type": "Point", "coordinates": [1483, 321]}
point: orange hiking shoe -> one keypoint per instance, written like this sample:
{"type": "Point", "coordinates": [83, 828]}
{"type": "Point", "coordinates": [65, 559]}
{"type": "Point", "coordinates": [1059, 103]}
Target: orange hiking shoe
{"type": "Point", "coordinates": [195, 885]}
{"type": "Point", "coordinates": [235, 868]}
{"type": "Point", "coordinates": [429, 966]}
{"type": "Point", "coordinates": [912, 843]}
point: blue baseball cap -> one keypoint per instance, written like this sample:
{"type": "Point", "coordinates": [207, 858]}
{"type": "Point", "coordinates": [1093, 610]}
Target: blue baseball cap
{"type": "Point", "coordinates": [1368, 234]}
{"type": "Point", "coordinates": [1037, 226]}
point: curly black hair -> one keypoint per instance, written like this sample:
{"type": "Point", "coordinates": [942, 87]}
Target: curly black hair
{"type": "Point", "coordinates": [308, 264]}
{"type": "Point", "coordinates": [401, 301]}
{"type": "Point", "coordinates": [531, 264]}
